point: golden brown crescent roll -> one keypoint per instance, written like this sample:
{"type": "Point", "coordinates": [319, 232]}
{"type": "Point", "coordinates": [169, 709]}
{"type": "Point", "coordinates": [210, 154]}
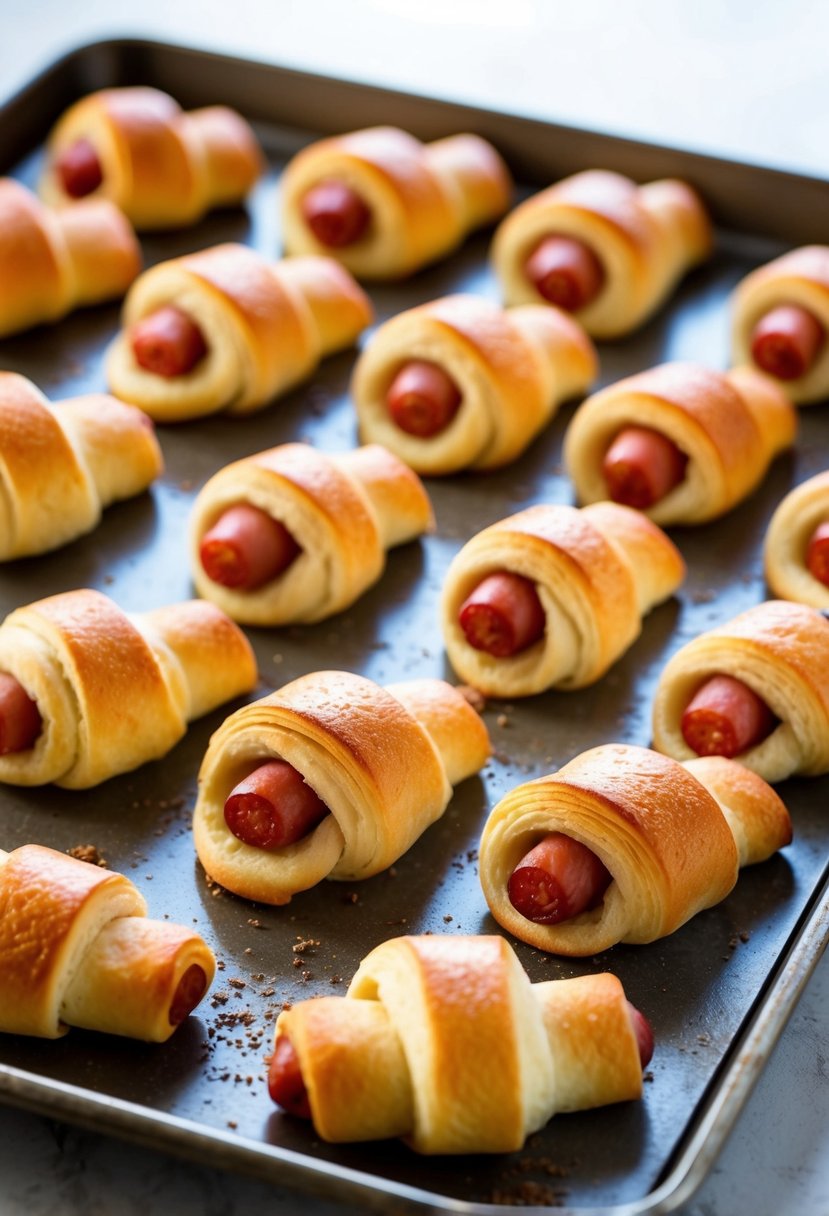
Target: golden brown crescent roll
{"type": "Point", "coordinates": [641, 239]}
{"type": "Point", "coordinates": [163, 167]}
{"type": "Point", "coordinates": [595, 573]}
{"type": "Point", "coordinates": [113, 690]}
{"type": "Point", "coordinates": [61, 465]}
{"type": "Point", "coordinates": [726, 427]}
{"type": "Point", "coordinates": [381, 763]}
{"type": "Point", "coordinates": [507, 372]}
{"type": "Point", "coordinates": [786, 304]}
{"type": "Point", "coordinates": [780, 651]}
{"type": "Point", "coordinates": [672, 836]}
{"type": "Point", "coordinates": [52, 262]}
{"type": "Point", "coordinates": [443, 1040]}
{"type": "Point", "coordinates": [341, 511]}
{"type": "Point", "coordinates": [792, 566]}
{"type": "Point", "coordinates": [393, 203]}
{"type": "Point", "coordinates": [222, 329]}
{"type": "Point", "coordinates": [77, 949]}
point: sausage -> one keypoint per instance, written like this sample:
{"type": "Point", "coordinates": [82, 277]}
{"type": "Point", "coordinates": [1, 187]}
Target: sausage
{"type": "Point", "coordinates": [423, 399]}
{"type": "Point", "coordinates": [644, 1034]}
{"type": "Point", "coordinates": [335, 213]}
{"type": "Point", "coordinates": [20, 720]}
{"type": "Point", "coordinates": [246, 548]}
{"type": "Point", "coordinates": [641, 466]}
{"type": "Point", "coordinates": [725, 718]}
{"type": "Point", "coordinates": [558, 879]}
{"type": "Point", "coordinates": [285, 1083]}
{"type": "Point", "coordinates": [168, 343]}
{"type": "Point", "coordinates": [817, 554]}
{"type": "Point", "coordinates": [565, 272]}
{"type": "Point", "coordinates": [786, 341]}
{"type": "Point", "coordinates": [189, 991]}
{"type": "Point", "coordinates": [78, 169]}
{"type": "Point", "coordinates": [503, 615]}
{"type": "Point", "coordinates": [273, 807]}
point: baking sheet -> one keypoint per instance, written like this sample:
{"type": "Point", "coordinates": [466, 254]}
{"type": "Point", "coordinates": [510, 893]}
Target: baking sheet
{"type": "Point", "coordinates": [716, 992]}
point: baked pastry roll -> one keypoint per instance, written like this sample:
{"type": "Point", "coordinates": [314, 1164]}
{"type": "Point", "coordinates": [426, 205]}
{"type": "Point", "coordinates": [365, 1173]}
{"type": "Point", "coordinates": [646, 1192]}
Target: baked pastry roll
{"type": "Point", "coordinates": [385, 204]}
{"type": "Point", "coordinates": [681, 442]}
{"type": "Point", "coordinates": [443, 1040]}
{"type": "Point", "coordinates": [330, 777]}
{"type": "Point", "coordinates": [88, 691]}
{"type": "Point", "coordinates": [52, 262]}
{"type": "Point", "coordinates": [552, 596]}
{"type": "Point", "coordinates": [162, 167]}
{"type": "Point", "coordinates": [77, 949]}
{"type": "Point", "coordinates": [777, 653]}
{"type": "Point", "coordinates": [780, 321]}
{"type": "Point", "coordinates": [61, 465]}
{"type": "Point", "coordinates": [607, 250]}
{"type": "Point", "coordinates": [222, 329]}
{"type": "Point", "coordinates": [796, 549]}
{"type": "Point", "coordinates": [459, 383]}
{"type": "Point", "coordinates": [623, 844]}
{"type": "Point", "coordinates": [295, 535]}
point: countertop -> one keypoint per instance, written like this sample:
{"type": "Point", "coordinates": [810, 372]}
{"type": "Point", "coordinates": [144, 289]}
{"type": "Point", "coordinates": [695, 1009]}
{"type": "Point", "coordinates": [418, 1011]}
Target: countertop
{"type": "Point", "coordinates": [747, 81]}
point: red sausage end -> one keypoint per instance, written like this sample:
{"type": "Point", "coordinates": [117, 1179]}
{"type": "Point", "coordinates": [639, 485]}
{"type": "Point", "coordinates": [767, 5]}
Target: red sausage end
{"type": "Point", "coordinates": [20, 720]}
{"type": "Point", "coordinates": [641, 466]}
{"type": "Point", "coordinates": [246, 548]}
{"type": "Point", "coordinates": [285, 1084]}
{"type": "Point", "coordinates": [189, 991]}
{"type": "Point", "coordinates": [168, 343]}
{"type": "Point", "coordinates": [725, 718]}
{"type": "Point", "coordinates": [817, 554]}
{"type": "Point", "coordinates": [566, 272]}
{"type": "Point", "coordinates": [335, 213]}
{"type": "Point", "coordinates": [78, 169]}
{"type": "Point", "coordinates": [644, 1035]}
{"type": "Point", "coordinates": [503, 615]}
{"type": "Point", "coordinates": [273, 807]}
{"type": "Point", "coordinates": [558, 879]}
{"type": "Point", "coordinates": [423, 399]}
{"type": "Point", "coordinates": [786, 341]}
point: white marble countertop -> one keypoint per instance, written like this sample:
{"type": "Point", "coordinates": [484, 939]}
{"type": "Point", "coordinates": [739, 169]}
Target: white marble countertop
{"type": "Point", "coordinates": [746, 81]}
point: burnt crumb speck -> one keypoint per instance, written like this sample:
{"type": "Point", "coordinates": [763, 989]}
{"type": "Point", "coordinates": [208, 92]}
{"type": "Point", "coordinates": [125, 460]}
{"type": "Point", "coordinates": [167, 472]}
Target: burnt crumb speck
{"type": "Point", "coordinates": [220, 997]}
{"type": "Point", "coordinates": [256, 924]}
{"type": "Point", "coordinates": [235, 982]}
{"type": "Point", "coordinates": [528, 1195]}
{"type": "Point", "coordinates": [89, 853]}
{"type": "Point", "coordinates": [475, 698]}
{"type": "Point", "coordinates": [351, 897]}
{"type": "Point", "coordinates": [647, 1077]}
{"type": "Point", "coordinates": [303, 945]}
{"type": "Point", "coordinates": [502, 720]}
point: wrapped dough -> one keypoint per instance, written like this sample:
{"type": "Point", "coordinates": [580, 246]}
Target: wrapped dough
{"type": "Point", "coordinates": [53, 262]}
{"type": "Point", "coordinates": [383, 762]}
{"type": "Point", "coordinates": [793, 524]}
{"type": "Point", "coordinates": [673, 837]}
{"type": "Point", "coordinates": [162, 167]}
{"type": "Point", "coordinates": [596, 572]}
{"type": "Point", "coordinates": [61, 465]}
{"type": "Point", "coordinates": [729, 427]}
{"type": "Point", "coordinates": [252, 331]}
{"type": "Point", "coordinates": [77, 949]}
{"type": "Point", "coordinates": [510, 371]}
{"type": "Point", "coordinates": [643, 239]}
{"type": "Point", "coordinates": [780, 651]}
{"type": "Point", "coordinates": [399, 203]}
{"type": "Point", "coordinates": [342, 511]}
{"type": "Point", "coordinates": [443, 1040]}
{"type": "Point", "coordinates": [114, 690]}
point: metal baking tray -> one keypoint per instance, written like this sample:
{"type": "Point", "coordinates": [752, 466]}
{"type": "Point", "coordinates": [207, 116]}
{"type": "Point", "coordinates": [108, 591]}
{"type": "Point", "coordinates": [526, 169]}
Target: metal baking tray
{"type": "Point", "coordinates": [717, 992]}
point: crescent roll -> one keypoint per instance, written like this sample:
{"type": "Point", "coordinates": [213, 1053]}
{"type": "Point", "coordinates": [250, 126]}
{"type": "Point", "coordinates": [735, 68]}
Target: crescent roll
{"type": "Point", "coordinates": [508, 372]}
{"type": "Point", "coordinates": [113, 690]}
{"type": "Point", "coordinates": [381, 760]}
{"type": "Point", "coordinates": [61, 465]}
{"type": "Point", "coordinates": [640, 239]}
{"type": "Point", "coordinates": [342, 511]}
{"type": "Point", "coordinates": [444, 1041]}
{"type": "Point", "coordinates": [780, 651]}
{"type": "Point", "coordinates": [672, 836]}
{"type": "Point", "coordinates": [786, 303]}
{"type": "Point", "coordinates": [243, 331]}
{"type": "Point", "coordinates": [595, 572]}
{"type": "Point", "coordinates": [726, 427]}
{"type": "Point", "coordinates": [162, 167]}
{"type": "Point", "coordinates": [77, 949]}
{"type": "Point", "coordinates": [397, 204]}
{"type": "Point", "coordinates": [52, 262]}
{"type": "Point", "coordinates": [791, 533]}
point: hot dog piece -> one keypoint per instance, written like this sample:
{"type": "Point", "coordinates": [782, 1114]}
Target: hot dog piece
{"type": "Point", "coordinates": [189, 991]}
{"type": "Point", "coordinates": [285, 1083]}
{"type": "Point", "coordinates": [20, 720]}
{"type": "Point", "coordinates": [817, 554]}
{"type": "Point", "coordinates": [558, 879]}
{"type": "Point", "coordinates": [724, 718]}
{"type": "Point", "coordinates": [641, 466]}
{"type": "Point", "coordinates": [566, 272]}
{"type": "Point", "coordinates": [168, 343]}
{"type": "Point", "coordinates": [273, 807]}
{"type": "Point", "coordinates": [79, 169]}
{"type": "Point", "coordinates": [644, 1034]}
{"type": "Point", "coordinates": [786, 341]}
{"type": "Point", "coordinates": [503, 615]}
{"type": "Point", "coordinates": [423, 399]}
{"type": "Point", "coordinates": [246, 548]}
{"type": "Point", "coordinates": [335, 213]}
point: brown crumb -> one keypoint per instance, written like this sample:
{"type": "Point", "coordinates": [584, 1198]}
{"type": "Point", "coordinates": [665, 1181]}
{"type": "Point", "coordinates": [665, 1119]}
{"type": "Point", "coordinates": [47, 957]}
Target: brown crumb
{"type": "Point", "coordinates": [502, 720]}
{"type": "Point", "coordinates": [256, 924]}
{"type": "Point", "coordinates": [303, 945]}
{"type": "Point", "coordinates": [448, 918]}
{"type": "Point", "coordinates": [351, 897]}
{"type": "Point", "coordinates": [232, 1124]}
{"type": "Point", "coordinates": [237, 983]}
{"type": "Point", "coordinates": [475, 698]}
{"type": "Point", "coordinates": [89, 853]}
{"type": "Point", "coordinates": [529, 1194]}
